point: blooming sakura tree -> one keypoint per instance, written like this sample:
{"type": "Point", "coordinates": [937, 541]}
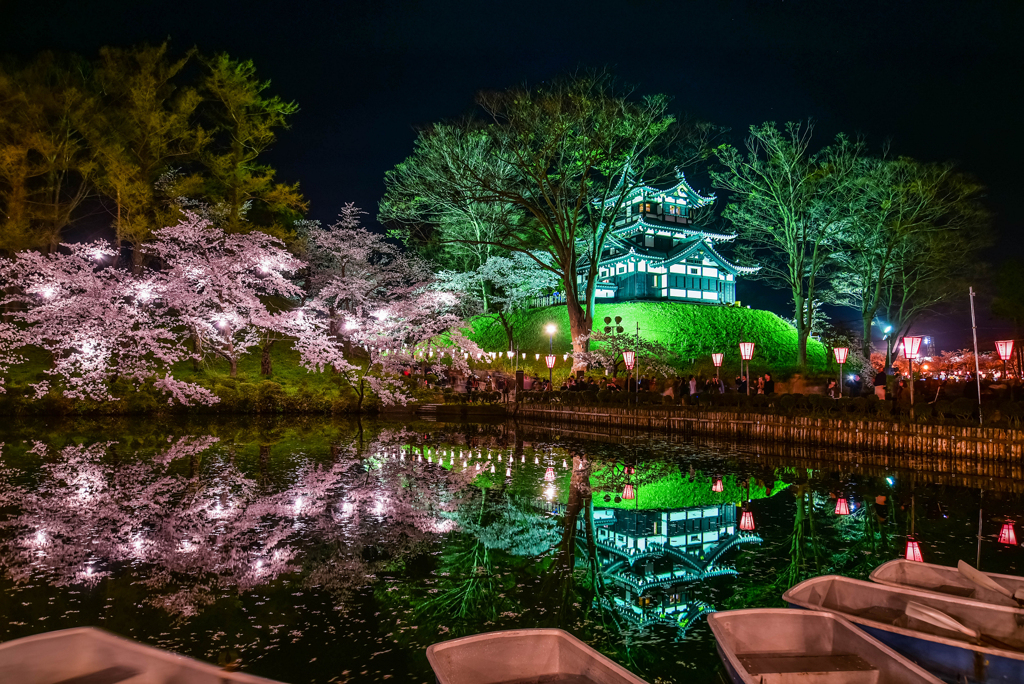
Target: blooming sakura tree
{"type": "Point", "coordinates": [99, 323]}
{"type": "Point", "coordinates": [368, 308]}
{"type": "Point", "coordinates": [216, 283]}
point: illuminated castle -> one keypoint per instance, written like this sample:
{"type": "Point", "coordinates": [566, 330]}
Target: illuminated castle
{"type": "Point", "coordinates": [655, 251]}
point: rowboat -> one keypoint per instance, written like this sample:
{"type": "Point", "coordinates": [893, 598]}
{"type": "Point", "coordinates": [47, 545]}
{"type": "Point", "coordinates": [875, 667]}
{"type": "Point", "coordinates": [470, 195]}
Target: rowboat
{"type": "Point", "coordinates": [780, 646]}
{"type": "Point", "coordinates": [90, 655]}
{"type": "Point", "coordinates": [950, 636]}
{"type": "Point", "coordinates": [521, 656]}
{"type": "Point", "coordinates": [952, 581]}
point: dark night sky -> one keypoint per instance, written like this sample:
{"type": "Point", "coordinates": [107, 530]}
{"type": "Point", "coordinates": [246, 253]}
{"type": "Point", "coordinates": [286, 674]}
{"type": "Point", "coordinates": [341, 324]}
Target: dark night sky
{"type": "Point", "coordinates": [941, 79]}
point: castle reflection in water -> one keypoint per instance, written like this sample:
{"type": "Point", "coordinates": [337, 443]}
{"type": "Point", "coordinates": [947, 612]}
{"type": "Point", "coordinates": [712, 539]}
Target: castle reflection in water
{"type": "Point", "coordinates": [649, 559]}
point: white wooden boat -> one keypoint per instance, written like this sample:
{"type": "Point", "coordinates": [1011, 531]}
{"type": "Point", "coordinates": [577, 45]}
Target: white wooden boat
{"type": "Point", "coordinates": [947, 580]}
{"type": "Point", "coordinates": [87, 655]}
{"type": "Point", "coordinates": [780, 646]}
{"type": "Point", "coordinates": [524, 656]}
{"type": "Point", "coordinates": [952, 637]}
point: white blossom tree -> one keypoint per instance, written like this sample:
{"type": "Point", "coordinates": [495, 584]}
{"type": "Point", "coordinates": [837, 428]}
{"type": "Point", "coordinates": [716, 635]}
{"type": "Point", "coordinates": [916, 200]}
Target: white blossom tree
{"type": "Point", "coordinates": [218, 284]}
{"type": "Point", "coordinates": [99, 323]}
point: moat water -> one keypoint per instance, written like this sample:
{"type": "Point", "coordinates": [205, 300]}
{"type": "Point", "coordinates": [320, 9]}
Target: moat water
{"type": "Point", "coordinates": [312, 550]}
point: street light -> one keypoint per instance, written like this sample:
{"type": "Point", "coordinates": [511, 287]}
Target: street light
{"type": "Point", "coordinates": [1005, 349]}
{"type": "Point", "coordinates": [629, 356]}
{"type": "Point", "coordinates": [550, 360]}
{"type": "Point", "coordinates": [840, 354]}
{"type": "Point", "coordinates": [911, 347]}
{"type": "Point", "coordinates": [747, 353]}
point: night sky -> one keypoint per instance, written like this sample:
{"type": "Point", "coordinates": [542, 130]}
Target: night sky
{"type": "Point", "coordinates": [942, 80]}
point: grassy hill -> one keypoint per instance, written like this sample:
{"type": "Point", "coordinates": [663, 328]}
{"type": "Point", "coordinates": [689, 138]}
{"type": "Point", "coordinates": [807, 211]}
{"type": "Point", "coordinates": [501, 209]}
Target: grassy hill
{"type": "Point", "coordinates": [691, 331]}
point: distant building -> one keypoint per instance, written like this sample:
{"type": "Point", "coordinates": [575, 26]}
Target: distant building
{"type": "Point", "coordinates": [656, 251]}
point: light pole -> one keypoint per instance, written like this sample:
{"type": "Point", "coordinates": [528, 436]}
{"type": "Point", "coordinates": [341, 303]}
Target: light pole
{"type": "Point", "coordinates": [717, 360]}
{"type": "Point", "coordinates": [629, 357]}
{"type": "Point", "coordinates": [550, 361]}
{"type": "Point", "coordinates": [1005, 349]}
{"type": "Point", "coordinates": [550, 329]}
{"type": "Point", "coordinates": [840, 354]}
{"type": "Point", "coordinates": [747, 353]}
{"type": "Point", "coordinates": [911, 347]}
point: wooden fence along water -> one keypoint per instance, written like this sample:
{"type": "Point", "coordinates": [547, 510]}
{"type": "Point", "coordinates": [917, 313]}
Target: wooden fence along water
{"type": "Point", "coordinates": [960, 471]}
{"type": "Point", "coordinates": [990, 444]}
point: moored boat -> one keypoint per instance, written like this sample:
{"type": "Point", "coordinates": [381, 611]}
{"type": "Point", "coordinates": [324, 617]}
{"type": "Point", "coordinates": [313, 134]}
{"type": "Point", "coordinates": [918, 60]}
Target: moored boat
{"type": "Point", "coordinates": [952, 637]}
{"type": "Point", "coordinates": [947, 580]}
{"type": "Point", "coordinates": [87, 654]}
{"type": "Point", "coordinates": [780, 646]}
{"type": "Point", "coordinates": [524, 655]}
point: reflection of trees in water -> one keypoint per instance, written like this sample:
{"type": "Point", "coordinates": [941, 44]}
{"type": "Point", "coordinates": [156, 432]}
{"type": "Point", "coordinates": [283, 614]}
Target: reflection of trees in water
{"type": "Point", "coordinates": [820, 543]}
{"type": "Point", "coordinates": [192, 524]}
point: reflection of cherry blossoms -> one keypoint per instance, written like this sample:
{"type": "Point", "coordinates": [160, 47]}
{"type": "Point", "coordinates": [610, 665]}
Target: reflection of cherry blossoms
{"type": "Point", "coordinates": [192, 525]}
{"type": "Point", "coordinates": [93, 514]}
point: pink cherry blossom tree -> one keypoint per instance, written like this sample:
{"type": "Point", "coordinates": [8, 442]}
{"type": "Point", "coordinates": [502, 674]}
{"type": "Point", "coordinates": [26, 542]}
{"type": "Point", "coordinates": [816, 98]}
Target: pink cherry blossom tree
{"type": "Point", "coordinates": [218, 283]}
{"type": "Point", "coordinates": [99, 323]}
{"type": "Point", "coordinates": [369, 308]}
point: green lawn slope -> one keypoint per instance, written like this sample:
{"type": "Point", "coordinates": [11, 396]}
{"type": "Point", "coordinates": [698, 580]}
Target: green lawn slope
{"type": "Point", "coordinates": [691, 331]}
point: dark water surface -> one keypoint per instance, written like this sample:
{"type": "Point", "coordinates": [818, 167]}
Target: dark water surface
{"type": "Point", "coordinates": [312, 550]}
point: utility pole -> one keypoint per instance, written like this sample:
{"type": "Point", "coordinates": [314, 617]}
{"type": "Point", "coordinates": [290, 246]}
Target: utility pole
{"type": "Point", "coordinates": [977, 367]}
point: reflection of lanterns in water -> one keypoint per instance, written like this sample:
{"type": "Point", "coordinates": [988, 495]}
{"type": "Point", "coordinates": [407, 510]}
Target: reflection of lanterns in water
{"type": "Point", "coordinates": [549, 475]}
{"type": "Point", "coordinates": [747, 521]}
{"type": "Point", "coordinates": [628, 492]}
{"type": "Point", "coordinates": [1007, 535]}
{"type": "Point", "coordinates": [842, 506]}
{"type": "Point", "coordinates": [913, 552]}
{"type": "Point", "coordinates": [716, 484]}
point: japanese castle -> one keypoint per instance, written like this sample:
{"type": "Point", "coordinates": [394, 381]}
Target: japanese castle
{"type": "Point", "coordinates": [656, 252]}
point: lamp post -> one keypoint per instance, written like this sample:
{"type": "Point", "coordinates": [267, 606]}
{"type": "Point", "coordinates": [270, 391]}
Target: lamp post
{"type": "Point", "coordinates": [747, 353]}
{"type": "Point", "coordinates": [911, 347]}
{"type": "Point", "coordinates": [840, 354]}
{"type": "Point", "coordinates": [717, 360]}
{"type": "Point", "coordinates": [1005, 349]}
{"type": "Point", "coordinates": [629, 356]}
{"type": "Point", "coordinates": [550, 361]}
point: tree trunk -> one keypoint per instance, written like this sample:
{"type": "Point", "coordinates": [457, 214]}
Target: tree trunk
{"type": "Point", "coordinates": [865, 343]}
{"type": "Point", "coordinates": [266, 364]}
{"type": "Point", "coordinates": [803, 329]}
{"type": "Point", "coordinates": [234, 366]}
{"type": "Point", "coordinates": [195, 352]}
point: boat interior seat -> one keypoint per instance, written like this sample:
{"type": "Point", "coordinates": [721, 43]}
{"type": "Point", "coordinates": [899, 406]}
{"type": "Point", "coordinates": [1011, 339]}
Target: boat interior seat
{"type": "Point", "coordinates": [110, 675]}
{"type": "Point", "coordinates": [832, 668]}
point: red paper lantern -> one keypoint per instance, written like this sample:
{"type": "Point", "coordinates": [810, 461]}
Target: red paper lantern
{"type": "Point", "coordinates": [716, 485]}
{"type": "Point", "coordinates": [746, 350]}
{"type": "Point", "coordinates": [842, 506]}
{"type": "Point", "coordinates": [717, 359]}
{"type": "Point", "coordinates": [747, 521]}
{"type": "Point", "coordinates": [549, 475]}
{"type": "Point", "coordinates": [629, 357]}
{"type": "Point", "coordinates": [1005, 349]}
{"type": "Point", "coordinates": [911, 347]}
{"type": "Point", "coordinates": [840, 354]}
{"type": "Point", "coordinates": [1007, 535]}
{"type": "Point", "coordinates": [550, 360]}
{"type": "Point", "coordinates": [628, 493]}
{"type": "Point", "coordinates": [913, 552]}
